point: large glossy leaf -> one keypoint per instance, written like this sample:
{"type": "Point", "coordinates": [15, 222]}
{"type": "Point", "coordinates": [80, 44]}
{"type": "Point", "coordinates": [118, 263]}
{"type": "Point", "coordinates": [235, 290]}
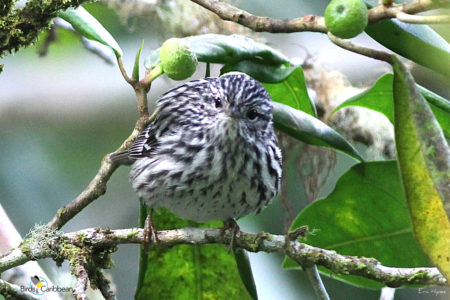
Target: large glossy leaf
{"type": "Point", "coordinates": [189, 271]}
{"type": "Point", "coordinates": [292, 91]}
{"type": "Point", "coordinates": [440, 107]}
{"type": "Point", "coordinates": [259, 70]}
{"type": "Point", "coordinates": [380, 98]}
{"type": "Point", "coordinates": [222, 49]}
{"type": "Point", "coordinates": [245, 271]}
{"type": "Point", "coordinates": [416, 42]}
{"type": "Point", "coordinates": [310, 130]}
{"type": "Point", "coordinates": [365, 215]}
{"type": "Point", "coordinates": [424, 161]}
{"type": "Point", "coordinates": [89, 27]}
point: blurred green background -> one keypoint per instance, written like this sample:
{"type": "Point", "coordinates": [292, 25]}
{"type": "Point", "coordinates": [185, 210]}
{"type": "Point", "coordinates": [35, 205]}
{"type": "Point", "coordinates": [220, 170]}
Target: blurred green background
{"type": "Point", "coordinates": [60, 114]}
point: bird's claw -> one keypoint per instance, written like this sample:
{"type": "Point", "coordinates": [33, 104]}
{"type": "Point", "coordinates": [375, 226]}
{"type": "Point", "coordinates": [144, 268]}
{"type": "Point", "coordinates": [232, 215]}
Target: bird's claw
{"type": "Point", "coordinates": [149, 230]}
{"type": "Point", "coordinates": [231, 225]}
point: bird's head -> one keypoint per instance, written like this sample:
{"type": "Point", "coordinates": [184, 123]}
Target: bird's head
{"type": "Point", "coordinates": [244, 104]}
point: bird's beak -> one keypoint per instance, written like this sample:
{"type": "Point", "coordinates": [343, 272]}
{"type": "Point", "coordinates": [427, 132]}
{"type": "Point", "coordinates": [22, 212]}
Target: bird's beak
{"type": "Point", "coordinates": [234, 112]}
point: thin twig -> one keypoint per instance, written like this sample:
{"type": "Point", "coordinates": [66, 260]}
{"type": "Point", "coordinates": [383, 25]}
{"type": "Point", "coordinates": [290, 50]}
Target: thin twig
{"type": "Point", "coordinates": [316, 282]}
{"type": "Point", "coordinates": [414, 19]}
{"type": "Point", "coordinates": [369, 52]}
{"type": "Point", "coordinates": [229, 12]}
{"type": "Point", "coordinates": [95, 189]}
{"type": "Point", "coordinates": [312, 23]}
{"type": "Point", "coordinates": [303, 254]}
{"type": "Point", "coordinates": [124, 72]}
{"type": "Point", "coordinates": [382, 12]}
{"type": "Point", "coordinates": [97, 186]}
{"type": "Point", "coordinates": [103, 285]}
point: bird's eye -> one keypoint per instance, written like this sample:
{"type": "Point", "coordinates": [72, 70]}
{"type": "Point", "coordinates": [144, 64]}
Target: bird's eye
{"type": "Point", "coordinates": [252, 114]}
{"type": "Point", "coordinates": [218, 103]}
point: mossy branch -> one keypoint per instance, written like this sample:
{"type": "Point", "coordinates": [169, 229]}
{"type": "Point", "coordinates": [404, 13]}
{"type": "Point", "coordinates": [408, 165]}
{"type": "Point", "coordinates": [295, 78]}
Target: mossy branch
{"type": "Point", "coordinates": [20, 27]}
{"type": "Point", "coordinates": [95, 242]}
{"type": "Point", "coordinates": [12, 291]}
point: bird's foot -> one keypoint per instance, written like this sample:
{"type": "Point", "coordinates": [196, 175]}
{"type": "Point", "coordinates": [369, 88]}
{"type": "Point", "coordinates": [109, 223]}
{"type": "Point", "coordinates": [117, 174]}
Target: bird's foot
{"type": "Point", "coordinates": [231, 225]}
{"type": "Point", "coordinates": [149, 230]}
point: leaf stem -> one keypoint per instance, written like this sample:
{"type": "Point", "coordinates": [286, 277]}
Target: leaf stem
{"type": "Point", "coordinates": [413, 19]}
{"type": "Point", "coordinates": [124, 72]}
{"type": "Point", "coordinates": [369, 52]}
{"type": "Point", "coordinates": [152, 75]}
{"type": "Point", "coordinates": [317, 284]}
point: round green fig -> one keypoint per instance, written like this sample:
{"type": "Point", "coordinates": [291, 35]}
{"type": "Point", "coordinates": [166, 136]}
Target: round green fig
{"type": "Point", "coordinates": [177, 59]}
{"type": "Point", "coordinates": [346, 18]}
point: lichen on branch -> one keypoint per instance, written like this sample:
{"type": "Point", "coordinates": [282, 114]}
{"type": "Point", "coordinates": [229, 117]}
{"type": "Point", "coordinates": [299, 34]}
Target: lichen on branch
{"type": "Point", "coordinates": [106, 241]}
{"type": "Point", "coordinates": [20, 27]}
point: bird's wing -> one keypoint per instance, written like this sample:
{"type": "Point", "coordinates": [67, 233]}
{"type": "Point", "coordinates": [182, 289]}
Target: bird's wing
{"type": "Point", "coordinates": [144, 144]}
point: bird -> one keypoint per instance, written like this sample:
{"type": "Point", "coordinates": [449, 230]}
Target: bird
{"type": "Point", "coordinates": [211, 153]}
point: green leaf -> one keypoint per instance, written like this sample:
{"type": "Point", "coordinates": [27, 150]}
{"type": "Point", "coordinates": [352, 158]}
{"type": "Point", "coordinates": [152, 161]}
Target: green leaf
{"type": "Point", "coordinates": [188, 271]}
{"type": "Point", "coordinates": [136, 62]}
{"type": "Point", "coordinates": [292, 91]}
{"type": "Point", "coordinates": [89, 27]}
{"type": "Point", "coordinates": [152, 60]}
{"type": "Point", "coordinates": [223, 49]}
{"type": "Point", "coordinates": [380, 98]}
{"type": "Point", "coordinates": [259, 70]}
{"type": "Point", "coordinates": [245, 271]}
{"type": "Point", "coordinates": [440, 107]}
{"type": "Point", "coordinates": [365, 215]}
{"type": "Point", "coordinates": [416, 42]}
{"type": "Point", "coordinates": [310, 130]}
{"type": "Point", "coordinates": [424, 161]}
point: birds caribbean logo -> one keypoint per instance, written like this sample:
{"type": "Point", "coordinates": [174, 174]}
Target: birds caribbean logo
{"type": "Point", "coordinates": [40, 283]}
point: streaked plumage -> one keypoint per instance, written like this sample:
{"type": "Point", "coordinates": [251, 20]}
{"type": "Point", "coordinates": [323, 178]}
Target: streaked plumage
{"type": "Point", "coordinates": [211, 153]}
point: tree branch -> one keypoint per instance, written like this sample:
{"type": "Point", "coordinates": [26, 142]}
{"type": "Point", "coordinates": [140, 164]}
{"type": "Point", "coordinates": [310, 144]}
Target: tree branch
{"type": "Point", "coordinates": [20, 27]}
{"type": "Point", "coordinates": [303, 254]}
{"type": "Point", "coordinates": [103, 285]}
{"type": "Point", "coordinates": [229, 12]}
{"type": "Point", "coordinates": [312, 23]}
{"type": "Point", "coordinates": [82, 281]}
{"type": "Point", "coordinates": [97, 186]}
{"type": "Point", "coordinates": [12, 291]}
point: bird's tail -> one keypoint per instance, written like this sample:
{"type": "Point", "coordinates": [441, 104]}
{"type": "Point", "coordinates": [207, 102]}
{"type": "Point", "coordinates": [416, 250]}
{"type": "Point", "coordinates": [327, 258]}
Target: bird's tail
{"type": "Point", "coordinates": [122, 158]}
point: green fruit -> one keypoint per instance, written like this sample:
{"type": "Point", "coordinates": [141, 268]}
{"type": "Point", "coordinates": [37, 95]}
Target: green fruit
{"type": "Point", "coordinates": [346, 18]}
{"type": "Point", "coordinates": [177, 59]}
